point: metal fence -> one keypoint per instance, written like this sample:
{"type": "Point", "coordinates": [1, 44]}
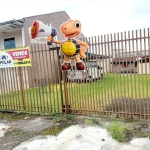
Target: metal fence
{"type": "Point", "coordinates": [116, 81]}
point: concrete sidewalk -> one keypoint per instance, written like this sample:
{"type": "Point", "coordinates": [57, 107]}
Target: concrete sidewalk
{"type": "Point", "coordinates": [25, 132]}
{"type": "Point", "coordinates": [82, 137]}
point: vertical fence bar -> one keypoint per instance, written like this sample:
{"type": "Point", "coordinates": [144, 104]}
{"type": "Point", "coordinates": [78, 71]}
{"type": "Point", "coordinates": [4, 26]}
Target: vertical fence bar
{"type": "Point", "coordinates": [87, 81]}
{"type": "Point", "coordinates": [119, 76]}
{"type": "Point", "coordinates": [55, 66]}
{"type": "Point", "coordinates": [39, 79]}
{"type": "Point", "coordinates": [76, 106]}
{"type": "Point", "coordinates": [38, 96]}
{"type": "Point", "coordinates": [113, 88]}
{"type": "Point", "coordinates": [8, 94]}
{"type": "Point", "coordinates": [116, 79]}
{"type": "Point", "coordinates": [28, 90]}
{"type": "Point", "coordinates": [99, 85]}
{"type": "Point", "coordinates": [34, 77]}
{"type": "Point", "coordinates": [93, 76]}
{"type": "Point", "coordinates": [110, 72]}
{"type": "Point", "coordinates": [49, 74]}
{"type": "Point", "coordinates": [1, 89]}
{"type": "Point", "coordinates": [65, 93]}
{"type": "Point", "coordinates": [59, 74]}
{"type": "Point", "coordinates": [127, 100]}
{"type": "Point", "coordinates": [53, 77]}
{"type": "Point", "coordinates": [84, 92]}
{"type": "Point", "coordinates": [123, 76]}
{"type": "Point", "coordinates": [6, 98]}
{"type": "Point", "coordinates": [142, 74]}
{"type": "Point", "coordinates": [139, 101]}
{"type": "Point", "coordinates": [26, 94]}
{"type": "Point", "coordinates": [10, 89]}
{"type": "Point", "coordinates": [79, 90]}
{"type": "Point", "coordinates": [120, 104]}
{"type": "Point", "coordinates": [131, 82]}
{"type": "Point", "coordinates": [82, 97]}
{"type": "Point", "coordinates": [146, 86]}
{"type": "Point", "coordinates": [106, 76]}
{"type": "Point", "coordinates": [15, 88]}
{"type": "Point", "coordinates": [43, 78]}
{"type": "Point", "coordinates": [30, 79]}
{"type": "Point", "coordinates": [91, 98]}
{"type": "Point", "coordinates": [22, 88]}
{"type": "Point", "coordinates": [97, 76]}
{"type": "Point", "coordinates": [41, 71]}
{"type": "Point", "coordinates": [18, 88]}
{"type": "Point", "coordinates": [134, 107]}
{"type": "Point", "coordinates": [50, 82]}
{"type": "Point", "coordinates": [103, 85]}
{"type": "Point", "coordinates": [149, 70]}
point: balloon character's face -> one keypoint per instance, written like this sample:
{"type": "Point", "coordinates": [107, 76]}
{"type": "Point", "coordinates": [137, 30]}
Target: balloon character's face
{"type": "Point", "coordinates": [71, 28]}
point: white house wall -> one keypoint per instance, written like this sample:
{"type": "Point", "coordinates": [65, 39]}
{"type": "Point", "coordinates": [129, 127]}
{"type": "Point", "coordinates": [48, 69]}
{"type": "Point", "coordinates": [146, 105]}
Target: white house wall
{"type": "Point", "coordinates": [143, 68]}
{"type": "Point", "coordinates": [18, 38]}
{"type": "Point", "coordinates": [106, 65]}
{"type": "Point", "coordinates": [118, 68]}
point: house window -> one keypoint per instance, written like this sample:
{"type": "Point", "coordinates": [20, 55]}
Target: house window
{"type": "Point", "coordinates": [125, 65]}
{"type": "Point", "coordinates": [145, 60]}
{"type": "Point", "coordinates": [9, 43]}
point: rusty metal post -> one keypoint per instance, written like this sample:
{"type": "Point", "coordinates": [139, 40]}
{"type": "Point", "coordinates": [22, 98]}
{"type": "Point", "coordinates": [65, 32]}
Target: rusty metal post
{"type": "Point", "coordinates": [60, 78]}
{"type": "Point", "coordinates": [66, 106]}
{"type": "Point", "coordinates": [22, 88]}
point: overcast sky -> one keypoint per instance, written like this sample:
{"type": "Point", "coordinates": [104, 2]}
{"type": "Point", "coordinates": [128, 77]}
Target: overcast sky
{"type": "Point", "coordinates": [97, 16]}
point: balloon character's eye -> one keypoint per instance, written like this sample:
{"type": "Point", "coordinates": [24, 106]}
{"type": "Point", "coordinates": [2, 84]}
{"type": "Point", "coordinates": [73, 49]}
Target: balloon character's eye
{"type": "Point", "coordinates": [77, 25]}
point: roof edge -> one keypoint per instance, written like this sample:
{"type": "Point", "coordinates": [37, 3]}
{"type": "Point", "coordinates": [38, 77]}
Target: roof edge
{"type": "Point", "coordinates": [46, 14]}
{"type": "Point", "coordinates": [11, 22]}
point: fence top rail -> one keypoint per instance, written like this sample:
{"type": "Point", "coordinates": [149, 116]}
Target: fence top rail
{"type": "Point", "coordinates": [122, 40]}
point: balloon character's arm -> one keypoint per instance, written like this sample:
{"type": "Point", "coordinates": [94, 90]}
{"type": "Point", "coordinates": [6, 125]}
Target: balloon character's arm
{"type": "Point", "coordinates": [83, 49]}
{"type": "Point", "coordinates": [53, 34]}
{"type": "Point", "coordinates": [50, 40]}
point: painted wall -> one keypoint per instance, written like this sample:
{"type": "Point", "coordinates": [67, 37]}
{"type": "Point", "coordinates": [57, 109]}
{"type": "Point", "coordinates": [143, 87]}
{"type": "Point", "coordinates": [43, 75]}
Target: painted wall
{"type": "Point", "coordinates": [118, 68]}
{"type": "Point", "coordinates": [143, 68]}
{"type": "Point", "coordinates": [17, 34]}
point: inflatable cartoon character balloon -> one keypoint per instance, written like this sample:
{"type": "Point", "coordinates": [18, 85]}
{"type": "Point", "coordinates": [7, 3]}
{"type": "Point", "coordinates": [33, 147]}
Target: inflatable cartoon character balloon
{"type": "Point", "coordinates": [71, 47]}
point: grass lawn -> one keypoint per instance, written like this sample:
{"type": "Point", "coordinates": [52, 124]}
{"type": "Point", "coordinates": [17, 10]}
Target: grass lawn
{"type": "Point", "coordinates": [91, 96]}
